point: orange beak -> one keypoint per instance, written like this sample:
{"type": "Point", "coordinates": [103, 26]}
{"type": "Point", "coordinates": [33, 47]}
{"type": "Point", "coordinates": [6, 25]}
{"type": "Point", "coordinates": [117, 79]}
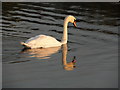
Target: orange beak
{"type": "Point", "coordinates": [74, 23]}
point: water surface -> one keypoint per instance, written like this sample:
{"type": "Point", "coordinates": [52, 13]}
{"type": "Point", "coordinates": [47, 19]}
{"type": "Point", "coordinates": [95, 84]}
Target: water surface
{"type": "Point", "coordinates": [94, 43]}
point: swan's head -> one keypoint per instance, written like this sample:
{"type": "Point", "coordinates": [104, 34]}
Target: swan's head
{"type": "Point", "coordinates": [71, 19]}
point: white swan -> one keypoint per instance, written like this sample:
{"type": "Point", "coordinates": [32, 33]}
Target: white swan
{"type": "Point", "coordinates": [43, 41]}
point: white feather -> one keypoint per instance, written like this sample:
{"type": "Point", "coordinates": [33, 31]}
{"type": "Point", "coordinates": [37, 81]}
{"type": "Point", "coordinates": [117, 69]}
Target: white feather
{"type": "Point", "coordinates": [42, 41]}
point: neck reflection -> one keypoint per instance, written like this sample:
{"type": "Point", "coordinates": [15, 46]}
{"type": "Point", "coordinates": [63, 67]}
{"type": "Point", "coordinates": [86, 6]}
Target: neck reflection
{"type": "Point", "coordinates": [67, 65]}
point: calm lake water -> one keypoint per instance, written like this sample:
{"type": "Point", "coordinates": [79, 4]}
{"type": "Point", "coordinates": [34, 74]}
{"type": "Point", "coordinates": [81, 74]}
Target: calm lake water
{"type": "Point", "coordinates": [94, 43]}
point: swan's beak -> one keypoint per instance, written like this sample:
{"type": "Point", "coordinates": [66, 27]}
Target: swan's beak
{"type": "Point", "coordinates": [74, 23]}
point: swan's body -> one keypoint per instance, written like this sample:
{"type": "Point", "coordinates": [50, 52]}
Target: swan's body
{"type": "Point", "coordinates": [43, 41]}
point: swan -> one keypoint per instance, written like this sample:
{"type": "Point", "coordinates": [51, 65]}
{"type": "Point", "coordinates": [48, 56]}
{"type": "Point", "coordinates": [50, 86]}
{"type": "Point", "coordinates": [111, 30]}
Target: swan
{"type": "Point", "coordinates": [44, 41]}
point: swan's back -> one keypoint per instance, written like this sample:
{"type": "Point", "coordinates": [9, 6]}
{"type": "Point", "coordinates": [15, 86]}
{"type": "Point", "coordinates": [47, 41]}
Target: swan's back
{"type": "Point", "coordinates": [42, 41]}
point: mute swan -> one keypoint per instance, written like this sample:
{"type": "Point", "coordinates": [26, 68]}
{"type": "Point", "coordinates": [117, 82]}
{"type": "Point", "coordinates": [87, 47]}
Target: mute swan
{"type": "Point", "coordinates": [43, 41]}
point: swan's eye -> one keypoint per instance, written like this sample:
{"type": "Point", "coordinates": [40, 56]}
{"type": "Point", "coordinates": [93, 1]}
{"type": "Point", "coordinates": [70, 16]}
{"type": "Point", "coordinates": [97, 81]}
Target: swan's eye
{"type": "Point", "coordinates": [74, 20]}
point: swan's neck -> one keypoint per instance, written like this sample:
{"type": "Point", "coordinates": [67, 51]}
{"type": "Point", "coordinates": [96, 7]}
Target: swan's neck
{"type": "Point", "coordinates": [65, 34]}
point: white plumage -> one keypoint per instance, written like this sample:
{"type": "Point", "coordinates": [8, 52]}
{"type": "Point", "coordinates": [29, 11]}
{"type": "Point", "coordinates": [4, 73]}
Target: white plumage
{"type": "Point", "coordinates": [41, 41]}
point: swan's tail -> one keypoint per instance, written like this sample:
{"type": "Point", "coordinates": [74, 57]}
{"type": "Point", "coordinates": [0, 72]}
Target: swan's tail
{"type": "Point", "coordinates": [25, 45]}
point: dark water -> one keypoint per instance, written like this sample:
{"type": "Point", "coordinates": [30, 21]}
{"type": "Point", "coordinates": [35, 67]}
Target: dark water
{"type": "Point", "coordinates": [94, 43]}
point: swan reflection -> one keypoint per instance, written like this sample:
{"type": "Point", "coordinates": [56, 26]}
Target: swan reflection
{"type": "Point", "coordinates": [43, 53]}
{"type": "Point", "coordinates": [67, 65]}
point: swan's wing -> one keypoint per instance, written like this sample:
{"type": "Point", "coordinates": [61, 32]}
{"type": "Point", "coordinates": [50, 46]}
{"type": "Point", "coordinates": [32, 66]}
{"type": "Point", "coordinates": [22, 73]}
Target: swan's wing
{"type": "Point", "coordinates": [33, 39]}
{"type": "Point", "coordinates": [42, 41]}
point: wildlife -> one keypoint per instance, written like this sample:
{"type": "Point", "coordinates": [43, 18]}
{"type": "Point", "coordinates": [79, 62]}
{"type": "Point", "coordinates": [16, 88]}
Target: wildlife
{"type": "Point", "coordinates": [44, 41]}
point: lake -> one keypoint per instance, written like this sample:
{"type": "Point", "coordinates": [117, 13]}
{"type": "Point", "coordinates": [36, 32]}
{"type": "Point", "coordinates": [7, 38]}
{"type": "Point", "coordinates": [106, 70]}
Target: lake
{"type": "Point", "coordinates": [93, 43]}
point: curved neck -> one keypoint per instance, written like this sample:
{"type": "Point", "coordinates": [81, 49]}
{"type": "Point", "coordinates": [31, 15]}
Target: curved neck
{"type": "Point", "coordinates": [65, 34]}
